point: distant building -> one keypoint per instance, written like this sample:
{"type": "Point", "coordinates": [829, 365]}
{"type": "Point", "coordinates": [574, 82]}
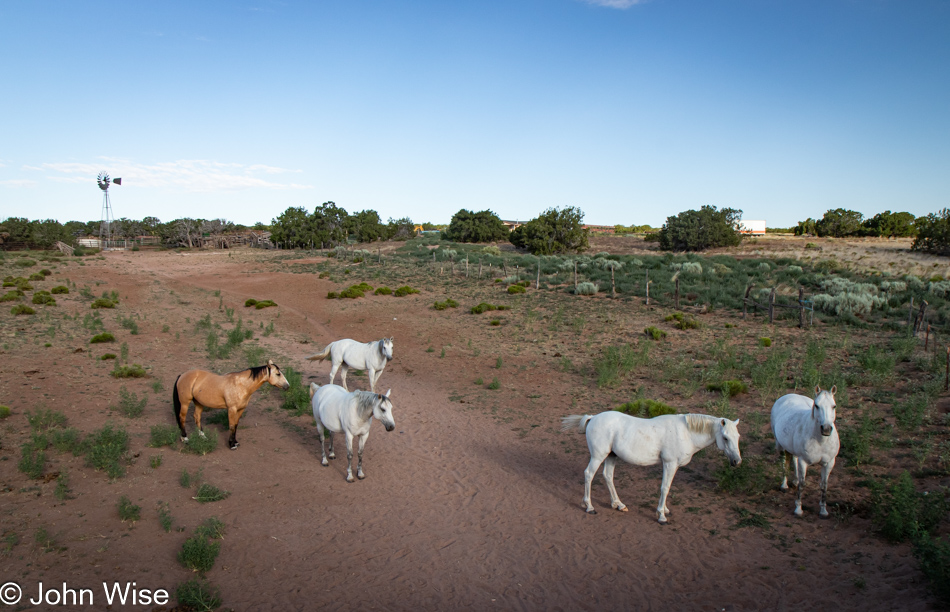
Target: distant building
{"type": "Point", "coordinates": [752, 227]}
{"type": "Point", "coordinates": [512, 225]}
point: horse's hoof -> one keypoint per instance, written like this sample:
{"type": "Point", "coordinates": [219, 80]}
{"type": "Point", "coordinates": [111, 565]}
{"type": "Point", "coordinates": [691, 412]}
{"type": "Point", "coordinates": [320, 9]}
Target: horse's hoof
{"type": "Point", "coordinates": [784, 487]}
{"type": "Point", "coordinates": [234, 447]}
{"type": "Point", "coordinates": [662, 521]}
{"type": "Point", "coordinates": [824, 515]}
{"type": "Point", "coordinates": [325, 463]}
{"type": "Point", "coordinates": [623, 509]}
{"type": "Point", "coordinates": [350, 479]}
{"type": "Point", "coordinates": [201, 433]}
{"type": "Point", "coordinates": [361, 476]}
{"type": "Point", "coordinates": [185, 439]}
{"type": "Point", "coordinates": [591, 511]}
{"type": "Point", "coordinates": [799, 513]}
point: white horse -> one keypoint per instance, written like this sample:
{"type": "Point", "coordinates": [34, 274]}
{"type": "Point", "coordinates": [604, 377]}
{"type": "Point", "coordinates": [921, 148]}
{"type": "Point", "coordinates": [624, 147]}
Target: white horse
{"type": "Point", "coordinates": [805, 430]}
{"type": "Point", "coordinates": [371, 356]}
{"type": "Point", "coordinates": [351, 412]}
{"type": "Point", "coordinates": [670, 439]}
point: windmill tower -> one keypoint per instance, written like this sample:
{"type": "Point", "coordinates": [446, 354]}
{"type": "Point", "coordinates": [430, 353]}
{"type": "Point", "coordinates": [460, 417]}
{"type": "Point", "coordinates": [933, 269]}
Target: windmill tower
{"type": "Point", "coordinates": [106, 229]}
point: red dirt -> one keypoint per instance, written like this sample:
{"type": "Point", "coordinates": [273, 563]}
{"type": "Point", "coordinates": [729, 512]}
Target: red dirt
{"type": "Point", "coordinates": [458, 510]}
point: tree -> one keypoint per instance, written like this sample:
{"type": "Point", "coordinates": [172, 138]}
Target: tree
{"type": "Point", "coordinates": [806, 227]}
{"type": "Point", "coordinates": [933, 233]}
{"type": "Point", "coordinates": [183, 230]}
{"type": "Point", "coordinates": [482, 226]}
{"type": "Point", "coordinates": [149, 225]}
{"type": "Point", "coordinates": [553, 231]}
{"type": "Point", "coordinates": [839, 223]}
{"type": "Point", "coordinates": [365, 226]}
{"type": "Point", "coordinates": [696, 230]}
{"type": "Point", "coordinates": [47, 233]}
{"type": "Point", "coordinates": [293, 228]}
{"type": "Point", "coordinates": [890, 224]}
{"type": "Point", "coordinates": [329, 225]}
{"type": "Point", "coordinates": [400, 229]}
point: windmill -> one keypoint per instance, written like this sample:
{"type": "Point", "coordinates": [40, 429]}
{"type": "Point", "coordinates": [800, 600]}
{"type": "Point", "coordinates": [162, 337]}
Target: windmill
{"type": "Point", "coordinates": [106, 231]}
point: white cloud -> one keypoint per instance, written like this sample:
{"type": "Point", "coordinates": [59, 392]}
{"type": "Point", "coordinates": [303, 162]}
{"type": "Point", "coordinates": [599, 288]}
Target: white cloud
{"type": "Point", "coordinates": [16, 183]}
{"type": "Point", "coordinates": [193, 175]}
{"type": "Point", "coordinates": [617, 4]}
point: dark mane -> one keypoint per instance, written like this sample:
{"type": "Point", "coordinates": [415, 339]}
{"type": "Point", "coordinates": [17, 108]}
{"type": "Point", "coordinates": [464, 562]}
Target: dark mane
{"type": "Point", "coordinates": [257, 372]}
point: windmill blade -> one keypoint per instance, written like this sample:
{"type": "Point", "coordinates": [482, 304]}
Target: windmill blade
{"type": "Point", "coordinates": [117, 181]}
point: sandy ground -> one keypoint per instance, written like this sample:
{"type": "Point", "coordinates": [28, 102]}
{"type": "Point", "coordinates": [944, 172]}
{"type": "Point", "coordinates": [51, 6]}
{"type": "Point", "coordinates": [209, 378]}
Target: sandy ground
{"type": "Point", "coordinates": [461, 509]}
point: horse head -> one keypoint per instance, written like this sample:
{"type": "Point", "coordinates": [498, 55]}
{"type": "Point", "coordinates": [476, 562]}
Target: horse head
{"type": "Point", "coordinates": [275, 376]}
{"type": "Point", "coordinates": [823, 409]}
{"type": "Point", "coordinates": [727, 439]}
{"type": "Point", "coordinates": [383, 410]}
{"type": "Point", "coordinates": [386, 348]}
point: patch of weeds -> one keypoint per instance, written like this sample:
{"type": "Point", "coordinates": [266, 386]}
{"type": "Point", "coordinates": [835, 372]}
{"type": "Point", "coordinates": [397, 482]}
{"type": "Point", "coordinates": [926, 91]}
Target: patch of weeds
{"type": "Point", "coordinates": [747, 518]}
{"type": "Point", "coordinates": [165, 517]}
{"type": "Point", "coordinates": [212, 528]}
{"type": "Point", "coordinates": [22, 309]}
{"type": "Point", "coordinates": [899, 512]}
{"type": "Point", "coordinates": [157, 386]}
{"type": "Point", "coordinates": [129, 511]}
{"type": "Point", "coordinates": [163, 435]}
{"type": "Point", "coordinates": [44, 419]}
{"type": "Point", "coordinates": [654, 333]}
{"type": "Point", "coordinates": [4, 412]}
{"type": "Point", "coordinates": [199, 595]}
{"type": "Point", "coordinates": [67, 440]}
{"type": "Point", "coordinates": [102, 303]}
{"type": "Point", "coordinates": [186, 480]}
{"type": "Point", "coordinates": [730, 387]}
{"type": "Point", "coordinates": [202, 445]}
{"type": "Point", "coordinates": [479, 381]}
{"type": "Point", "coordinates": [207, 493]}
{"type": "Point", "coordinates": [129, 371]}
{"type": "Point", "coordinates": [216, 417]}
{"type": "Point", "coordinates": [618, 361]}
{"type": "Point", "coordinates": [32, 460]}
{"type": "Point", "coordinates": [404, 291]}
{"type": "Point", "coordinates": [265, 304]}
{"type": "Point", "coordinates": [107, 357]}
{"type": "Point", "coordinates": [107, 450]}
{"type": "Point", "coordinates": [130, 324]}
{"type": "Point", "coordinates": [513, 289]}
{"type": "Point", "coordinates": [155, 462]}
{"type": "Point", "coordinates": [910, 413]}
{"type": "Point", "coordinates": [61, 492]}
{"type": "Point", "coordinates": [448, 303]}
{"type": "Point", "coordinates": [43, 298]}
{"type": "Point", "coordinates": [766, 342]}
{"type": "Point", "coordinates": [754, 475]}
{"type": "Point", "coordinates": [129, 403]}
{"type": "Point", "coordinates": [43, 538]}
{"type": "Point", "coordinates": [383, 291]}
{"type": "Point", "coordinates": [296, 398]}
{"type": "Point", "coordinates": [933, 555]}
{"type": "Point", "coordinates": [494, 384]}
{"type": "Point", "coordinates": [499, 363]}
{"type": "Point", "coordinates": [198, 553]}
{"type": "Point", "coordinates": [682, 321]}
{"type": "Point", "coordinates": [856, 441]}
{"type": "Point", "coordinates": [103, 337]}
{"type": "Point", "coordinates": [877, 363]}
{"type": "Point", "coordinates": [645, 408]}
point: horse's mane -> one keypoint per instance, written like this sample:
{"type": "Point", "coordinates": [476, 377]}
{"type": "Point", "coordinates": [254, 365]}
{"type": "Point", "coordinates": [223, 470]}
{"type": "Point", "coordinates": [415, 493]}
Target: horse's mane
{"type": "Point", "coordinates": [701, 423]}
{"type": "Point", "coordinates": [257, 372]}
{"type": "Point", "coordinates": [365, 402]}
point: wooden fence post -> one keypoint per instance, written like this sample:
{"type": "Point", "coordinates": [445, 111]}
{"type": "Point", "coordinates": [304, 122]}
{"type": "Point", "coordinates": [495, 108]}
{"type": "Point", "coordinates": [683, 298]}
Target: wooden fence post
{"type": "Point", "coordinates": [745, 300]}
{"type": "Point", "coordinates": [575, 277]}
{"type": "Point", "coordinates": [613, 287]}
{"type": "Point", "coordinates": [910, 312]}
{"type": "Point", "coordinates": [946, 380]}
{"type": "Point", "coordinates": [772, 305]}
{"type": "Point", "coordinates": [801, 307]}
{"type": "Point", "coordinates": [676, 295]}
{"type": "Point", "coordinates": [537, 283]}
{"type": "Point", "coordinates": [927, 338]}
{"type": "Point", "coordinates": [648, 287]}
{"type": "Point", "coordinates": [479, 269]}
{"type": "Point", "coordinates": [921, 314]}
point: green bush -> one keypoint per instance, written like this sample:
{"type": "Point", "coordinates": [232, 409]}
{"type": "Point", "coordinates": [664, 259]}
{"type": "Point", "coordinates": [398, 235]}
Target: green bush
{"type": "Point", "coordinates": [36, 276]}
{"type": "Point", "coordinates": [383, 291]}
{"type": "Point", "coordinates": [766, 342]}
{"type": "Point", "coordinates": [682, 321]}
{"type": "Point", "coordinates": [654, 333]}
{"type": "Point", "coordinates": [618, 361]}
{"type": "Point", "coordinates": [202, 445]}
{"type": "Point", "coordinates": [4, 412]}
{"type": "Point", "coordinates": [103, 337]}
{"type": "Point", "coordinates": [24, 263]}
{"type": "Point", "coordinates": [207, 493]}
{"type": "Point", "coordinates": [933, 555]}
{"type": "Point", "coordinates": [107, 356]}
{"type": "Point", "coordinates": [199, 595]}
{"type": "Point", "coordinates": [494, 384]}
{"type": "Point", "coordinates": [198, 553]}
{"type": "Point", "coordinates": [351, 293]}
{"type": "Point", "coordinates": [483, 307]}
{"type": "Point", "coordinates": [448, 303]}
{"type": "Point", "coordinates": [756, 473]}
{"type": "Point", "coordinates": [264, 304]}
{"type": "Point", "coordinates": [250, 302]}
{"type": "Point", "coordinates": [732, 387]}
{"type": "Point", "coordinates": [107, 450]}
{"type": "Point", "coordinates": [469, 226]}
{"type": "Point", "coordinates": [129, 371]}
{"type": "Point", "coordinates": [512, 289]}
{"type": "Point", "coordinates": [404, 291]}
{"type": "Point", "coordinates": [645, 408]}
{"type": "Point", "coordinates": [553, 231]}
{"type": "Point", "coordinates": [22, 309]}
{"type": "Point", "coordinates": [44, 298]}
{"type": "Point", "coordinates": [910, 413]}
{"type": "Point", "coordinates": [11, 296]}
{"type": "Point", "coordinates": [332, 295]}
{"type": "Point", "coordinates": [933, 233]}
{"type": "Point", "coordinates": [899, 512]}
{"type": "Point", "coordinates": [856, 441]}
{"type": "Point", "coordinates": [44, 419]}
{"type": "Point", "coordinates": [586, 288]}
{"type": "Point", "coordinates": [32, 460]}
{"type": "Point", "coordinates": [67, 441]}
{"type": "Point", "coordinates": [60, 289]}
{"type": "Point", "coordinates": [129, 403]}
{"type": "Point", "coordinates": [128, 511]}
{"type": "Point", "coordinates": [212, 528]}
{"type": "Point", "coordinates": [697, 230]}
{"type": "Point", "coordinates": [102, 303]}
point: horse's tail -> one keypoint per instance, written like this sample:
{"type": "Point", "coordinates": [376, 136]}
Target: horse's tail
{"type": "Point", "coordinates": [575, 421]}
{"type": "Point", "coordinates": [321, 356]}
{"type": "Point", "coordinates": [313, 389]}
{"type": "Point", "coordinates": [176, 401]}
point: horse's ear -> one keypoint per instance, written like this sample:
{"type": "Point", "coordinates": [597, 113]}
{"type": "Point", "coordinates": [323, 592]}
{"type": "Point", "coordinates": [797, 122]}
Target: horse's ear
{"type": "Point", "coordinates": [388, 392]}
{"type": "Point", "coordinates": [392, 338]}
{"type": "Point", "coordinates": [723, 422]}
{"type": "Point", "coordinates": [270, 362]}
{"type": "Point", "coordinates": [817, 390]}
{"type": "Point", "coordinates": [736, 422]}
{"type": "Point", "coordinates": [834, 389]}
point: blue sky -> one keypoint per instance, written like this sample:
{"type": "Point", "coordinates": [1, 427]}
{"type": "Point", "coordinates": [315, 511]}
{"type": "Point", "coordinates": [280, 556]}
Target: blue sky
{"type": "Point", "coordinates": [632, 111]}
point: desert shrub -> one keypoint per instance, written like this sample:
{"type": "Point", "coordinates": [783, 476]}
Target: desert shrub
{"type": "Point", "coordinates": [769, 376]}
{"type": "Point", "coordinates": [130, 324]}
{"type": "Point", "coordinates": [682, 321]}
{"type": "Point", "coordinates": [586, 288]}
{"type": "Point", "coordinates": [106, 450]}
{"type": "Point", "coordinates": [212, 528]}
{"type": "Point", "coordinates": [512, 289]}
{"type": "Point", "coordinates": [107, 356]}
{"type": "Point", "coordinates": [754, 475]}
{"type": "Point", "coordinates": [933, 233]}
{"type": "Point", "coordinates": [492, 250]}
{"type": "Point", "coordinates": [24, 263]}
{"type": "Point", "coordinates": [61, 492]}
{"type": "Point", "coordinates": [856, 440]}
{"type": "Point", "coordinates": [618, 361]}
{"type": "Point", "coordinates": [202, 445]}
{"type": "Point", "coordinates": [794, 270]}
{"type": "Point", "coordinates": [688, 267]}
{"type": "Point", "coordinates": [483, 307]}
{"type": "Point", "coordinates": [351, 293]}
{"type": "Point", "coordinates": [198, 594]}
{"type": "Point", "coordinates": [494, 384]}
{"type": "Point", "coordinates": [44, 298]}
{"type": "Point", "coordinates": [128, 511]}
{"type": "Point", "coordinates": [44, 419]}
{"type": "Point", "coordinates": [910, 413]}
{"type": "Point", "coordinates": [198, 553]}
{"type": "Point", "coordinates": [103, 337]}
{"type": "Point", "coordinates": [129, 371]}
{"type": "Point", "coordinates": [129, 403]}
{"type": "Point", "coordinates": [22, 309]}
{"type": "Point", "coordinates": [207, 493]}
{"type": "Point", "coordinates": [102, 303]}
{"type": "Point", "coordinates": [60, 289]}
{"type": "Point", "coordinates": [163, 435]}
{"type": "Point", "coordinates": [67, 440]}
{"type": "Point", "coordinates": [297, 397]}
{"type": "Point", "coordinates": [404, 291]}
{"type": "Point", "coordinates": [470, 226]}
{"type": "Point", "coordinates": [448, 303]}
{"type": "Point", "coordinates": [264, 304]}
{"type": "Point", "coordinates": [645, 408]}
{"type": "Point", "coordinates": [4, 412]}
{"type": "Point", "coordinates": [32, 460]}
{"type": "Point", "coordinates": [877, 363]}
{"type": "Point", "coordinates": [766, 342]}
{"type": "Point", "coordinates": [250, 302]}
{"type": "Point", "coordinates": [383, 291]}
{"type": "Point", "coordinates": [332, 295]}
{"type": "Point", "coordinates": [364, 286]}
{"type": "Point", "coordinates": [553, 231]}
{"type": "Point", "coordinates": [933, 555]}
{"type": "Point", "coordinates": [730, 387]}
{"type": "Point", "coordinates": [696, 230]}
{"type": "Point", "coordinates": [11, 296]}
{"type": "Point", "coordinates": [654, 333]}
{"type": "Point", "coordinates": [36, 276]}
{"type": "Point", "coordinates": [899, 512]}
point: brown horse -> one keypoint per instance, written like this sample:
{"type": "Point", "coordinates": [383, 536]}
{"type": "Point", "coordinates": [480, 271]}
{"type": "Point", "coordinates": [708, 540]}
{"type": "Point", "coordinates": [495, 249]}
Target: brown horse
{"type": "Point", "coordinates": [231, 391]}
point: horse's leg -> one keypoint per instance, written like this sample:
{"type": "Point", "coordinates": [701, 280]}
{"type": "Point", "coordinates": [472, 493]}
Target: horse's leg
{"type": "Point", "coordinates": [595, 460]}
{"type": "Point", "coordinates": [323, 445]}
{"type": "Point", "coordinates": [359, 468]}
{"type": "Point", "coordinates": [785, 458]}
{"type": "Point", "coordinates": [669, 470]}
{"type": "Point", "coordinates": [234, 417]}
{"type": "Point", "coordinates": [825, 472]}
{"type": "Point", "coordinates": [800, 469]}
{"type": "Point", "coordinates": [198, 409]}
{"type": "Point", "coordinates": [372, 375]}
{"type": "Point", "coordinates": [798, 475]}
{"type": "Point", "coordinates": [349, 456]}
{"type": "Point", "coordinates": [332, 455]}
{"type": "Point", "coordinates": [183, 416]}
{"type": "Point", "coordinates": [609, 477]}
{"type": "Point", "coordinates": [333, 370]}
{"type": "Point", "coordinates": [343, 370]}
